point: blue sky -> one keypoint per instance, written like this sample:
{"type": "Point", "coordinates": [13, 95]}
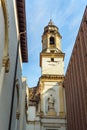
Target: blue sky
{"type": "Point", "coordinates": [66, 15]}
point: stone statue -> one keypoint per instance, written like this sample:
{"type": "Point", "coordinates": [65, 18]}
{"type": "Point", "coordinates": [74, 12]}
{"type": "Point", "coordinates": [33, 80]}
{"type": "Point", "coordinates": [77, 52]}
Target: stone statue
{"type": "Point", "coordinates": [51, 102]}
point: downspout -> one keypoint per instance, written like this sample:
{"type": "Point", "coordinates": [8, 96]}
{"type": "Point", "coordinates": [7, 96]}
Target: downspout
{"type": "Point", "coordinates": [13, 90]}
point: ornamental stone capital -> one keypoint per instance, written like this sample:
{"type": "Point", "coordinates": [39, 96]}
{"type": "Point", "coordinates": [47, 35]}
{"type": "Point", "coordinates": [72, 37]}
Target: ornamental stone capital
{"type": "Point", "coordinates": [6, 63]}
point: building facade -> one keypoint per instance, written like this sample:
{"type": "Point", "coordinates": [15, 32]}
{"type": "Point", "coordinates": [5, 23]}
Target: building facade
{"type": "Point", "coordinates": [46, 101]}
{"type": "Point", "coordinates": [13, 52]}
{"type": "Point", "coordinates": [75, 81]}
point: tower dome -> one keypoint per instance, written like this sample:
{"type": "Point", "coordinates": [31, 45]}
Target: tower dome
{"type": "Point", "coordinates": [51, 38]}
{"type": "Point", "coordinates": [51, 28]}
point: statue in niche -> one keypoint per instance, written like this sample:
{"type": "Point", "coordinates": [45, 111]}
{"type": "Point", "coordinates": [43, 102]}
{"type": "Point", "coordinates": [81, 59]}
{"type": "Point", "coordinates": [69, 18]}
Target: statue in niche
{"type": "Point", "coordinates": [51, 102]}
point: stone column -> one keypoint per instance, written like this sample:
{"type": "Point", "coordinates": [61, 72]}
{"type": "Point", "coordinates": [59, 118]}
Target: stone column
{"type": "Point", "coordinates": [61, 98]}
{"type": "Point", "coordinates": [47, 40]}
{"type": "Point", "coordinates": [56, 42]}
{"type": "Point", "coordinates": [41, 97]}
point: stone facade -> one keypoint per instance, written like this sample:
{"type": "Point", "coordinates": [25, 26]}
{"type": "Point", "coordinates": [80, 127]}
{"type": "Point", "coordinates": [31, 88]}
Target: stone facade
{"type": "Point", "coordinates": [46, 102]}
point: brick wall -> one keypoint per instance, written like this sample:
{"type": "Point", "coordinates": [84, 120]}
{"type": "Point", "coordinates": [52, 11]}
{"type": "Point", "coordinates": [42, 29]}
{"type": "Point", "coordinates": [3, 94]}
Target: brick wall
{"type": "Point", "coordinates": [75, 82]}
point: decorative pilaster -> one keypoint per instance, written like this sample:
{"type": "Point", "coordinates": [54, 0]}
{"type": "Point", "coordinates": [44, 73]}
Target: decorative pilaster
{"type": "Point", "coordinates": [41, 103]}
{"type": "Point", "coordinates": [61, 96]}
{"type": "Point", "coordinates": [6, 63]}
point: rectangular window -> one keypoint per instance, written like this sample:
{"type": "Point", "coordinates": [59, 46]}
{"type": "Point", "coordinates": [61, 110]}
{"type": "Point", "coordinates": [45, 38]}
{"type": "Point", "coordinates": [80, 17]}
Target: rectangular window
{"type": "Point", "coordinates": [52, 59]}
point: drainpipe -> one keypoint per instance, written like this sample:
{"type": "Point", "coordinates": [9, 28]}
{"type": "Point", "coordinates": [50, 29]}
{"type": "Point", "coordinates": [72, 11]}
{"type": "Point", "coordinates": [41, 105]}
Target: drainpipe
{"type": "Point", "coordinates": [13, 90]}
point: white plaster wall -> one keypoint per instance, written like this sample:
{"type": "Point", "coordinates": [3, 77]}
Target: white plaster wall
{"type": "Point", "coordinates": [30, 126]}
{"type": "Point", "coordinates": [14, 111]}
{"type": "Point", "coordinates": [31, 113]}
{"type": "Point", "coordinates": [35, 125]}
{"type": "Point", "coordinates": [24, 122]}
{"type": "Point", "coordinates": [22, 105]}
{"type": "Point", "coordinates": [6, 91]}
{"type": "Point", "coordinates": [53, 123]}
{"type": "Point", "coordinates": [21, 96]}
{"type": "Point", "coordinates": [2, 35]}
{"type": "Point", "coordinates": [33, 119]}
{"type": "Point", "coordinates": [47, 123]}
{"type": "Point", "coordinates": [55, 68]}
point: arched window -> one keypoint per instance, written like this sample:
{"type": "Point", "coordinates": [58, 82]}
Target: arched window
{"type": "Point", "coordinates": [52, 41]}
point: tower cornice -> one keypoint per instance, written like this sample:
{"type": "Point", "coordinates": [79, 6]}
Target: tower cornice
{"type": "Point", "coordinates": [52, 78]}
{"type": "Point", "coordinates": [50, 33]}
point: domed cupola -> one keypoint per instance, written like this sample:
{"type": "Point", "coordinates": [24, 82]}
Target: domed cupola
{"type": "Point", "coordinates": [51, 38]}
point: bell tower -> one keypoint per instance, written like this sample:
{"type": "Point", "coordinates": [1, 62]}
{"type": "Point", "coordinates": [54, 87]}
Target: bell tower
{"type": "Point", "coordinates": [52, 68]}
{"type": "Point", "coordinates": [51, 57]}
{"type": "Point", "coordinates": [51, 38]}
{"type": "Point", "coordinates": [47, 99]}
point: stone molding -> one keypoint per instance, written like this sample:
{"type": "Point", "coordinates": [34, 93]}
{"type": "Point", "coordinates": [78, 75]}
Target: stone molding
{"type": "Point", "coordinates": [52, 77]}
{"type": "Point", "coordinates": [6, 64]}
{"type": "Point", "coordinates": [62, 114]}
{"type": "Point", "coordinates": [17, 115]}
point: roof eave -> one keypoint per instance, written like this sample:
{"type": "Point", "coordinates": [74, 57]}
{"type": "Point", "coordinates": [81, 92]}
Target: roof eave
{"type": "Point", "coordinates": [22, 29]}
